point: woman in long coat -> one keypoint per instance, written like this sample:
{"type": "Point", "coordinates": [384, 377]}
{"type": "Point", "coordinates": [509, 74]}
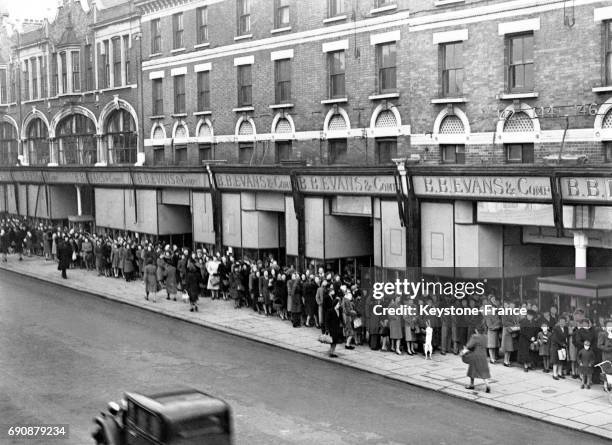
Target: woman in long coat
{"type": "Point", "coordinates": [161, 264]}
{"type": "Point", "coordinates": [234, 281]}
{"type": "Point", "coordinates": [395, 327]}
{"type": "Point", "coordinates": [128, 263]}
{"type": "Point", "coordinates": [171, 287]}
{"type": "Point", "coordinates": [264, 291]}
{"type": "Point", "coordinates": [349, 313]}
{"type": "Point", "coordinates": [214, 280]}
{"type": "Point", "coordinates": [296, 301]}
{"type": "Point", "coordinates": [280, 296]}
{"type": "Point", "coordinates": [527, 336]}
{"type": "Point", "coordinates": [193, 285]}
{"type": "Point", "coordinates": [558, 341]}
{"type": "Point", "coordinates": [150, 279]}
{"type": "Point", "coordinates": [64, 254]}
{"type": "Point", "coordinates": [333, 324]}
{"type": "Point", "coordinates": [478, 364]}
{"type": "Point", "coordinates": [493, 324]}
{"type": "Point", "coordinates": [510, 328]}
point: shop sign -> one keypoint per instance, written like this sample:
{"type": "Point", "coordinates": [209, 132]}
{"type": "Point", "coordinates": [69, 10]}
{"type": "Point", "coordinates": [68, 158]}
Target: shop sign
{"type": "Point", "coordinates": [586, 189]}
{"type": "Point", "coordinates": [33, 176]}
{"type": "Point", "coordinates": [159, 179]}
{"type": "Point", "coordinates": [63, 177]}
{"type": "Point", "coordinates": [108, 178]}
{"type": "Point", "coordinates": [246, 181]}
{"type": "Point", "coordinates": [358, 185]}
{"type": "Point", "coordinates": [484, 187]}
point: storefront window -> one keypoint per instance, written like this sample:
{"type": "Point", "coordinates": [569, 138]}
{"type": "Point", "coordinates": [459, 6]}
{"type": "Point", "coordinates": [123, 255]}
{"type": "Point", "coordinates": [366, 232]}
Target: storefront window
{"type": "Point", "coordinates": [76, 140]}
{"type": "Point", "coordinates": [121, 138]}
{"type": "Point", "coordinates": [8, 144]}
{"type": "Point", "coordinates": [38, 143]}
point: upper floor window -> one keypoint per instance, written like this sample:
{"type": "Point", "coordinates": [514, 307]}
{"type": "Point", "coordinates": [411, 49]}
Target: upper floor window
{"type": "Point", "coordinates": [281, 16]}
{"type": "Point", "coordinates": [116, 42]}
{"type": "Point", "coordinates": [336, 68]}
{"type": "Point", "coordinates": [155, 36]}
{"type": "Point", "coordinates": [54, 75]}
{"type": "Point", "coordinates": [608, 152]}
{"type": "Point", "coordinates": [179, 94]}
{"type": "Point", "coordinates": [244, 17]}
{"type": "Point", "coordinates": [452, 154]}
{"type": "Point", "coordinates": [26, 79]}
{"type": "Point", "coordinates": [158, 97]}
{"type": "Point", "coordinates": [64, 63]}
{"type": "Point", "coordinates": [76, 71]}
{"type": "Point", "coordinates": [452, 68]}
{"type": "Point", "coordinates": [282, 80]}
{"type": "Point", "coordinates": [519, 153]}
{"type": "Point", "coordinates": [33, 64]}
{"type": "Point", "coordinates": [43, 76]}
{"type": "Point", "coordinates": [177, 30]}
{"type": "Point", "coordinates": [386, 150]}
{"type": "Point", "coordinates": [608, 52]}
{"type": "Point", "coordinates": [104, 65]}
{"type": "Point", "coordinates": [3, 86]}
{"type": "Point", "coordinates": [203, 91]}
{"type": "Point", "coordinates": [520, 63]}
{"type": "Point", "coordinates": [335, 8]}
{"type": "Point", "coordinates": [88, 58]}
{"type": "Point", "coordinates": [202, 24]}
{"type": "Point", "coordinates": [245, 86]}
{"type": "Point", "coordinates": [386, 62]}
{"type": "Point", "coordinates": [126, 58]}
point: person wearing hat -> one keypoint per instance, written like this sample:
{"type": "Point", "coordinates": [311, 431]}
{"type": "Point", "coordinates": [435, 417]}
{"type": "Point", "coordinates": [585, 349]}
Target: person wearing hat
{"type": "Point", "coordinates": [170, 276]}
{"type": "Point", "coordinates": [527, 344]}
{"type": "Point", "coordinates": [586, 361]}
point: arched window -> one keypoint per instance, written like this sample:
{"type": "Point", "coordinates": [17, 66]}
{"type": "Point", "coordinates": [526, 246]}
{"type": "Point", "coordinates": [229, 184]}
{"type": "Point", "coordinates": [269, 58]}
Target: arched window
{"type": "Point", "coordinates": [386, 147]}
{"type": "Point", "coordinates": [283, 145]}
{"type": "Point", "coordinates": [121, 138]}
{"type": "Point", "coordinates": [246, 148]}
{"type": "Point", "coordinates": [76, 140]}
{"type": "Point", "coordinates": [37, 142]}
{"type": "Point", "coordinates": [8, 144]}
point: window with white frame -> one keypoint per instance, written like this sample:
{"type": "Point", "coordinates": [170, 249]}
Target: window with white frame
{"type": "Point", "coordinates": [202, 24]}
{"type": "Point", "coordinates": [451, 64]}
{"type": "Point", "coordinates": [520, 66]}
{"type": "Point", "coordinates": [336, 69]}
{"type": "Point", "coordinates": [244, 17]}
{"type": "Point", "coordinates": [281, 13]}
{"type": "Point", "coordinates": [335, 8]}
{"type": "Point", "coordinates": [608, 52]}
{"type": "Point", "coordinates": [177, 30]}
{"type": "Point", "coordinates": [386, 62]}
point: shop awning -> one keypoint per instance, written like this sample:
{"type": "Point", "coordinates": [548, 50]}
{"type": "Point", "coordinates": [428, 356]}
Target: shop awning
{"type": "Point", "coordinates": [598, 284]}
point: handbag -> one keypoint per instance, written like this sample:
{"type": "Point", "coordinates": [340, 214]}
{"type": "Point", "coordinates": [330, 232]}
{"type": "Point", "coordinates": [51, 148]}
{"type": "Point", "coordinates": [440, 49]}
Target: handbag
{"type": "Point", "coordinates": [357, 323]}
{"type": "Point", "coordinates": [214, 280]}
{"type": "Point", "coordinates": [325, 339]}
{"type": "Point", "coordinates": [74, 256]}
{"type": "Point", "coordinates": [534, 346]}
{"type": "Point", "coordinates": [562, 354]}
{"type": "Point", "coordinates": [466, 356]}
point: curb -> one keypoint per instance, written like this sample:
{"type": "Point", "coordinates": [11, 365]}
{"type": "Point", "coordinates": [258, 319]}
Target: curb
{"type": "Point", "coordinates": [448, 390]}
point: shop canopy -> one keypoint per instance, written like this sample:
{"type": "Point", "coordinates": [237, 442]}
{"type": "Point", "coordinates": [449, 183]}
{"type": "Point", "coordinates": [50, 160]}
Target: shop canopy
{"type": "Point", "coordinates": [597, 284]}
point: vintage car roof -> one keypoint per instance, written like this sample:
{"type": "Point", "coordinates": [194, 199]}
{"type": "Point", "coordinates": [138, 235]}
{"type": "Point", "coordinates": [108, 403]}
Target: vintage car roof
{"type": "Point", "coordinates": [180, 403]}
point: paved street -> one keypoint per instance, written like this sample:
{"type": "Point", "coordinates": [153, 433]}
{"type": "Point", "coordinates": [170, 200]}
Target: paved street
{"type": "Point", "coordinates": [65, 354]}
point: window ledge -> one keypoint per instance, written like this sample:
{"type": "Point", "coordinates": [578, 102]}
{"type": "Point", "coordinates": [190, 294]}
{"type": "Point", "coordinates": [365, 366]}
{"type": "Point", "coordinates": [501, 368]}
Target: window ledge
{"type": "Point", "coordinates": [241, 109]}
{"type": "Point", "coordinates": [122, 87]}
{"type": "Point", "coordinates": [447, 2]}
{"type": "Point", "coordinates": [384, 9]}
{"type": "Point", "coordinates": [384, 96]}
{"type": "Point", "coordinates": [606, 89]}
{"type": "Point", "coordinates": [177, 50]}
{"type": "Point", "coordinates": [287, 105]}
{"type": "Point", "coordinates": [157, 116]}
{"type": "Point", "coordinates": [334, 101]}
{"type": "Point", "coordinates": [31, 101]}
{"type": "Point", "coordinates": [277, 30]}
{"type": "Point", "coordinates": [201, 45]}
{"type": "Point", "coordinates": [338, 18]}
{"type": "Point", "coordinates": [246, 36]}
{"type": "Point", "coordinates": [512, 96]}
{"type": "Point", "coordinates": [155, 55]}
{"type": "Point", "coordinates": [449, 100]}
{"type": "Point", "coordinates": [179, 115]}
{"type": "Point", "coordinates": [202, 113]}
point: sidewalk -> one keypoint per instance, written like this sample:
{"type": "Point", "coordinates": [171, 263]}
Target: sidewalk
{"type": "Point", "coordinates": [534, 394]}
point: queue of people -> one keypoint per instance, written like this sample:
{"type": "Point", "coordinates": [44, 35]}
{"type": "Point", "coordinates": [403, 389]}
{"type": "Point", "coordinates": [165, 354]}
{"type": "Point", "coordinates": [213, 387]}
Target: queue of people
{"type": "Point", "coordinates": [566, 344]}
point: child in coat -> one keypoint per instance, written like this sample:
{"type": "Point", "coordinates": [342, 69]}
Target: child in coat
{"type": "Point", "coordinates": [544, 346]}
{"type": "Point", "coordinates": [586, 361]}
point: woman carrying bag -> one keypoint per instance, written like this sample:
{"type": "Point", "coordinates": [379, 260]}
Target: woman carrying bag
{"type": "Point", "coordinates": [558, 348]}
{"type": "Point", "coordinates": [333, 323]}
{"type": "Point", "coordinates": [475, 355]}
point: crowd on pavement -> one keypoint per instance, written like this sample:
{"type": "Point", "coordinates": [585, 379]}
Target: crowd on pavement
{"type": "Point", "coordinates": [567, 344]}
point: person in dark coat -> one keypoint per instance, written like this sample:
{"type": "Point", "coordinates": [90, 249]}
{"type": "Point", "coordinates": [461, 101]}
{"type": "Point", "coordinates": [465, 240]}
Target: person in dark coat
{"type": "Point", "coordinates": [558, 342]}
{"type": "Point", "coordinates": [478, 361]}
{"type": "Point", "coordinates": [150, 279]}
{"type": "Point", "coordinates": [586, 361]}
{"type": "Point", "coordinates": [527, 337]}
{"type": "Point", "coordinates": [64, 253]}
{"type": "Point", "coordinates": [310, 301]}
{"type": "Point", "coordinates": [333, 324]}
{"type": "Point", "coordinates": [4, 244]}
{"type": "Point", "coordinates": [170, 276]}
{"type": "Point", "coordinates": [192, 282]}
{"type": "Point", "coordinates": [604, 342]}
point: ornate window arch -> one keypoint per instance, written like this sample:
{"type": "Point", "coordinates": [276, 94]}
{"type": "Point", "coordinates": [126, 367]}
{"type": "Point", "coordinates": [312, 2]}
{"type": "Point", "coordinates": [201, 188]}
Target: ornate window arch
{"type": "Point", "coordinates": [37, 141]}
{"type": "Point", "coordinates": [8, 141]}
{"type": "Point", "coordinates": [245, 126]}
{"type": "Point", "coordinates": [158, 133]}
{"type": "Point", "coordinates": [283, 126]}
{"type": "Point", "coordinates": [180, 131]}
{"type": "Point", "coordinates": [451, 126]}
{"type": "Point", "coordinates": [75, 136]}
{"type": "Point", "coordinates": [75, 109]}
{"type": "Point", "coordinates": [114, 105]}
{"type": "Point", "coordinates": [518, 124]}
{"type": "Point", "coordinates": [204, 130]}
{"type": "Point", "coordinates": [337, 121]}
{"type": "Point", "coordinates": [603, 122]}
